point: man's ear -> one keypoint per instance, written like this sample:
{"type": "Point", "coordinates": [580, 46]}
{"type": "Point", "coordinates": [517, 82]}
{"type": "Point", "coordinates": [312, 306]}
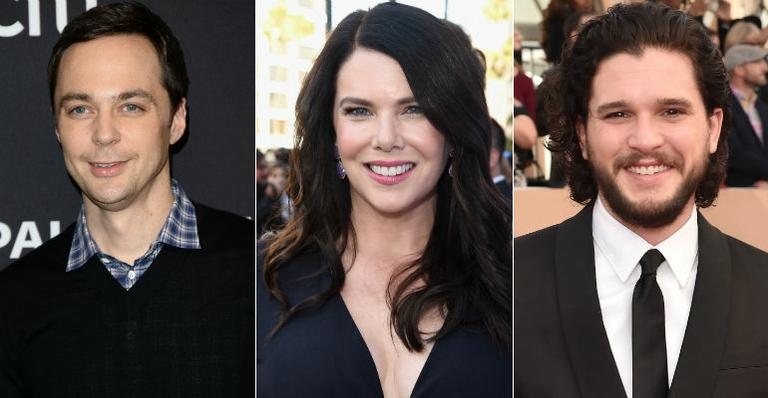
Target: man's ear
{"type": "Point", "coordinates": [56, 125]}
{"type": "Point", "coordinates": [736, 71]}
{"type": "Point", "coordinates": [179, 122]}
{"type": "Point", "coordinates": [581, 131]}
{"type": "Point", "coordinates": [715, 126]}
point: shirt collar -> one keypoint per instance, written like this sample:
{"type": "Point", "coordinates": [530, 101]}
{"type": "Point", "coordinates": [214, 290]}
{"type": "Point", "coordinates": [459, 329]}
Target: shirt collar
{"type": "Point", "coordinates": [499, 178]}
{"type": "Point", "coordinates": [623, 248]}
{"type": "Point", "coordinates": [179, 230]}
{"type": "Point", "coordinates": [746, 98]}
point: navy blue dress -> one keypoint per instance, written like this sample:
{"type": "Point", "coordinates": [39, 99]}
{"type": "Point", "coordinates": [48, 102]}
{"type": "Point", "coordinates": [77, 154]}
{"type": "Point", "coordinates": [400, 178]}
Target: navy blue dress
{"type": "Point", "coordinates": [321, 353]}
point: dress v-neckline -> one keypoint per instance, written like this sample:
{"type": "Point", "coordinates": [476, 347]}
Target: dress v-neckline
{"type": "Point", "coordinates": [370, 363]}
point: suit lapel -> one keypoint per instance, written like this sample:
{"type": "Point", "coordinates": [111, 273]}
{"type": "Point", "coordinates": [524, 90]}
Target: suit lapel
{"type": "Point", "coordinates": [587, 343]}
{"type": "Point", "coordinates": [762, 110]}
{"type": "Point", "coordinates": [705, 334]}
{"type": "Point", "coordinates": [748, 132]}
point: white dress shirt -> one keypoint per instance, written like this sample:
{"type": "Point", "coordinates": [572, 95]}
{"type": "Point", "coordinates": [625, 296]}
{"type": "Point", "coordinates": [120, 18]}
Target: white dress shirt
{"type": "Point", "coordinates": [617, 255]}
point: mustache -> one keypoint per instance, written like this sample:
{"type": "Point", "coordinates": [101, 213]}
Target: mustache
{"type": "Point", "coordinates": [634, 158]}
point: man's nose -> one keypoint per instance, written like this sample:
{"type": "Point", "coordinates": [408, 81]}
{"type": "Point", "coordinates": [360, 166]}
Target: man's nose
{"type": "Point", "coordinates": [646, 135]}
{"type": "Point", "coordinates": [106, 131]}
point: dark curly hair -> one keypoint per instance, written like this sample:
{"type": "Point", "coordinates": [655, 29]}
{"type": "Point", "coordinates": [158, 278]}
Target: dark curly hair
{"type": "Point", "coordinates": [466, 264]}
{"type": "Point", "coordinates": [630, 28]}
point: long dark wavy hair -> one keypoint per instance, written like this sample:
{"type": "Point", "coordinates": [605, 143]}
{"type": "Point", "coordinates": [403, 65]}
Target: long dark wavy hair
{"type": "Point", "coordinates": [630, 28]}
{"type": "Point", "coordinates": [466, 264]}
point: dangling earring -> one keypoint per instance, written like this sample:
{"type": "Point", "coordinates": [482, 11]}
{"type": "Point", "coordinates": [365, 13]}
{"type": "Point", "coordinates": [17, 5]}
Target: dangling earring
{"type": "Point", "coordinates": [340, 172]}
{"type": "Point", "coordinates": [450, 168]}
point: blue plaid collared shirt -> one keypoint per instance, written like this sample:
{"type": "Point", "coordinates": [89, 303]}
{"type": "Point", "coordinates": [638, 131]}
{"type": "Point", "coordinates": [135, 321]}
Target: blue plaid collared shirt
{"type": "Point", "coordinates": [179, 230]}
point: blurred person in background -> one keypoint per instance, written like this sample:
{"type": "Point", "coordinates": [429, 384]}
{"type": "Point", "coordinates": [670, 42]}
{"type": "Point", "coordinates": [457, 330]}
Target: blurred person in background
{"type": "Point", "coordinates": [697, 8]}
{"type": "Point", "coordinates": [525, 135]}
{"type": "Point", "coordinates": [499, 164]}
{"type": "Point", "coordinates": [574, 22]}
{"type": "Point", "coordinates": [523, 88]}
{"type": "Point", "coordinates": [280, 208]}
{"type": "Point", "coordinates": [282, 156]}
{"type": "Point", "coordinates": [261, 174]}
{"type": "Point", "coordinates": [748, 159]}
{"type": "Point", "coordinates": [553, 35]}
{"type": "Point", "coordinates": [743, 32]}
{"type": "Point", "coordinates": [399, 249]}
{"type": "Point", "coordinates": [272, 206]}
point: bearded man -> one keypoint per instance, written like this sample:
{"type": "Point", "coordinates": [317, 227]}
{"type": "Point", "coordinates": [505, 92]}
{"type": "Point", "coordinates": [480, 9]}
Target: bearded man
{"type": "Point", "coordinates": [748, 160]}
{"type": "Point", "coordinates": [638, 295]}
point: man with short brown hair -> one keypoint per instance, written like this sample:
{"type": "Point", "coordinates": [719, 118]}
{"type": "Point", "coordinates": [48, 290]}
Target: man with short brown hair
{"type": "Point", "coordinates": [147, 294]}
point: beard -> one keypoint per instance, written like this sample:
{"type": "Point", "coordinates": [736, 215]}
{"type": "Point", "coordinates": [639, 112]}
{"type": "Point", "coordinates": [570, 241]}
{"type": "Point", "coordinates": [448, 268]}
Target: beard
{"type": "Point", "coordinates": [648, 213]}
{"type": "Point", "coordinates": [757, 80]}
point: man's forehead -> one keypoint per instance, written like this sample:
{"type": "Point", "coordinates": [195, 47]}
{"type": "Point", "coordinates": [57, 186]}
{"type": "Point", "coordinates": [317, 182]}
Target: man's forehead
{"type": "Point", "coordinates": [109, 44]}
{"type": "Point", "coordinates": [131, 94]}
{"type": "Point", "coordinates": [672, 59]}
{"type": "Point", "coordinates": [656, 74]}
{"type": "Point", "coordinates": [110, 66]}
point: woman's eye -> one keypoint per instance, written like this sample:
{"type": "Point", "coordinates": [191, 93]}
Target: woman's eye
{"type": "Point", "coordinates": [357, 111]}
{"type": "Point", "coordinates": [414, 110]}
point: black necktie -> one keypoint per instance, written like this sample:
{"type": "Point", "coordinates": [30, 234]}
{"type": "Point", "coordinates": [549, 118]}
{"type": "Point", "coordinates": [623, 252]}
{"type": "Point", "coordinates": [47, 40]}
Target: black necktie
{"type": "Point", "coordinates": [649, 349]}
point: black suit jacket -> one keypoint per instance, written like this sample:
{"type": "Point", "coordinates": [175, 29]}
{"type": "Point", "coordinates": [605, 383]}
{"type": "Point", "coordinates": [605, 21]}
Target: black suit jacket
{"type": "Point", "coordinates": [748, 160]}
{"type": "Point", "coordinates": [562, 350]}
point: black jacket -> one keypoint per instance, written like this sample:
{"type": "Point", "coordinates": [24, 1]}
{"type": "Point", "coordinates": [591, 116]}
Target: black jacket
{"type": "Point", "coordinates": [748, 157]}
{"type": "Point", "coordinates": [561, 347]}
{"type": "Point", "coordinates": [185, 329]}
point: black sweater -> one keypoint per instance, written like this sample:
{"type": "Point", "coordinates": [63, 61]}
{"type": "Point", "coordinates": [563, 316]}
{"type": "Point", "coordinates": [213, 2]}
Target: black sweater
{"type": "Point", "coordinates": [185, 329]}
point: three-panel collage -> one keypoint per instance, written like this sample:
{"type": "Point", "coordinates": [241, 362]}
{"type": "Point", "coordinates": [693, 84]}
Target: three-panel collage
{"type": "Point", "coordinates": [314, 198]}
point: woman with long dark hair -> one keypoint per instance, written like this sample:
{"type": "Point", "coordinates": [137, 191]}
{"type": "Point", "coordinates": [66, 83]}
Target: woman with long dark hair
{"type": "Point", "coordinates": [393, 278]}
